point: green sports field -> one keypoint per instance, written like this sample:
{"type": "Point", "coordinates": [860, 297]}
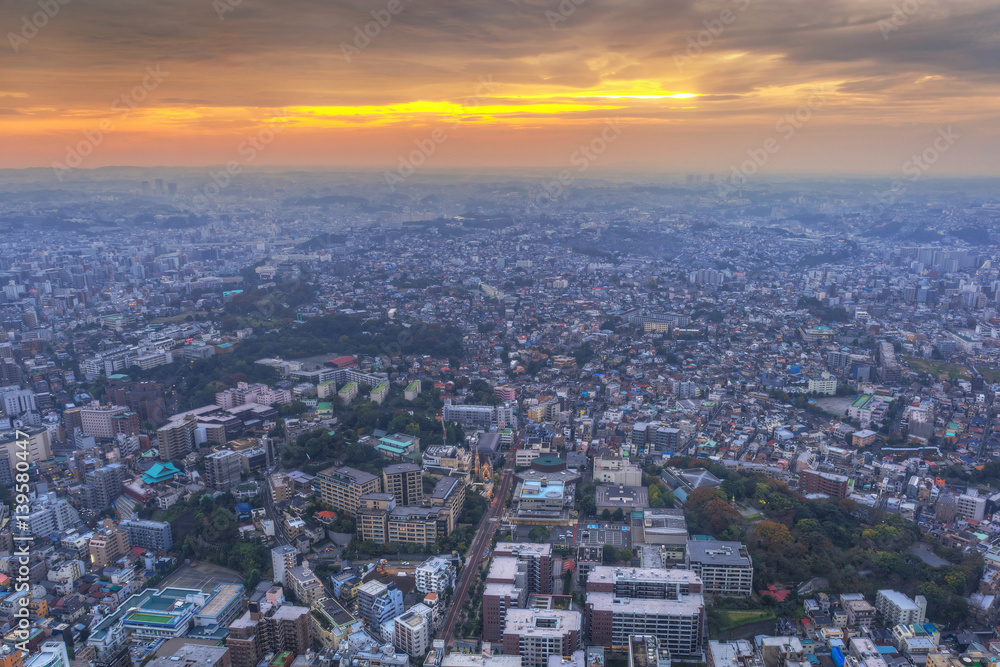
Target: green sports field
{"type": "Point", "coordinates": [140, 617]}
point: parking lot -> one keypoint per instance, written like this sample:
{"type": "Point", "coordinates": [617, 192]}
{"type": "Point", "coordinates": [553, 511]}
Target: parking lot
{"type": "Point", "coordinates": [604, 532]}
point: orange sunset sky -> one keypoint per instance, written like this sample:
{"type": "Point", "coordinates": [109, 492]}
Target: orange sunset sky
{"type": "Point", "coordinates": [511, 82]}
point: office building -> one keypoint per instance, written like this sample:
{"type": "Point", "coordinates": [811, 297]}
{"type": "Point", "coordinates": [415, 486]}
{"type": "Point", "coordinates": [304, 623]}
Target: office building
{"type": "Point", "coordinates": [108, 421]}
{"type": "Point", "coordinates": [535, 634]}
{"type": "Point", "coordinates": [405, 482]}
{"type": "Point", "coordinates": [38, 444]}
{"type": "Point", "coordinates": [898, 609]}
{"type": "Point", "coordinates": [725, 568]}
{"type": "Point", "coordinates": [342, 488]}
{"type": "Point", "coordinates": [616, 470]}
{"type": "Point", "coordinates": [223, 470]}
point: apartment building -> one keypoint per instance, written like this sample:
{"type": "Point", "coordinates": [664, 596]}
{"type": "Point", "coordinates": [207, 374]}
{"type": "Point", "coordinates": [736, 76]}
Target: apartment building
{"type": "Point", "coordinates": [480, 417]}
{"type": "Point", "coordinates": [176, 439]}
{"type": "Point", "coordinates": [283, 559]}
{"type": "Point", "coordinates": [535, 634]}
{"type": "Point", "coordinates": [538, 561]}
{"type": "Point", "coordinates": [342, 487]}
{"type": "Point", "coordinates": [413, 630]}
{"type": "Point", "coordinates": [155, 535]}
{"type": "Point", "coordinates": [378, 603]}
{"type": "Point", "coordinates": [970, 507]}
{"type": "Point", "coordinates": [304, 583]}
{"type": "Point", "coordinates": [372, 517]}
{"type": "Point", "coordinates": [860, 615]}
{"type": "Point", "coordinates": [415, 525]}
{"type": "Point", "coordinates": [449, 495]}
{"type": "Point", "coordinates": [814, 481]}
{"type": "Point", "coordinates": [628, 601]}
{"type": "Point", "coordinates": [223, 470]}
{"type": "Point", "coordinates": [725, 568]}
{"type": "Point", "coordinates": [107, 546]}
{"type": "Point", "coordinates": [435, 575]}
{"type": "Point", "coordinates": [898, 609]}
{"type": "Point", "coordinates": [405, 482]}
{"type": "Point", "coordinates": [266, 628]}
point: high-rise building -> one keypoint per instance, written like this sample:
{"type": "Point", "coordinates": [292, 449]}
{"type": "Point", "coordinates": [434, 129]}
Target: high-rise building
{"type": "Point", "coordinates": [405, 482]}
{"type": "Point", "coordinates": [176, 439]}
{"type": "Point", "coordinates": [223, 470]}
{"type": "Point", "coordinates": [283, 558]}
{"type": "Point", "coordinates": [107, 482]}
{"type": "Point", "coordinates": [342, 487]}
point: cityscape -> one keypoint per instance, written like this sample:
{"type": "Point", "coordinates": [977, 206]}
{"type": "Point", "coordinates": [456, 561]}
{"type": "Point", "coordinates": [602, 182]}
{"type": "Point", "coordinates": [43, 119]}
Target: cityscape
{"type": "Point", "coordinates": [522, 333]}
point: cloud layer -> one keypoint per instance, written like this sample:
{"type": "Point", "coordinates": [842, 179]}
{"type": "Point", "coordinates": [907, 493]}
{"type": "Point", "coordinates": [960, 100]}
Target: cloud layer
{"type": "Point", "coordinates": [512, 81]}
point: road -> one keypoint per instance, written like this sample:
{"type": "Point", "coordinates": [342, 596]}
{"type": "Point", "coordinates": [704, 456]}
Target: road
{"type": "Point", "coordinates": [480, 544]}
{"type": "Point", "coordinates": [279, 529]}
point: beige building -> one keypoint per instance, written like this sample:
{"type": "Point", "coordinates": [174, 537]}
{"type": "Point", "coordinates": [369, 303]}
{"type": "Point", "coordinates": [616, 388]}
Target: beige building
{"type": "Point", "coordinates": [342, 488]}
{"type": "Point", "coordinates": [405, 482]}
{"type": "Point", "coordinates": [107, 546]}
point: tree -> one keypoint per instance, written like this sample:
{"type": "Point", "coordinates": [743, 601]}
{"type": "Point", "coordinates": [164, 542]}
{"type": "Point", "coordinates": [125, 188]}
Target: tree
{"type": "Point", "coordinates": [773, 533]}
{"type": "Point", "coordinates": [539, 534]}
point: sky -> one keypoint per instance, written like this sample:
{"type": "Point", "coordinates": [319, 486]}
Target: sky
{"type": "Point", "coordinates": [686, 86]}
